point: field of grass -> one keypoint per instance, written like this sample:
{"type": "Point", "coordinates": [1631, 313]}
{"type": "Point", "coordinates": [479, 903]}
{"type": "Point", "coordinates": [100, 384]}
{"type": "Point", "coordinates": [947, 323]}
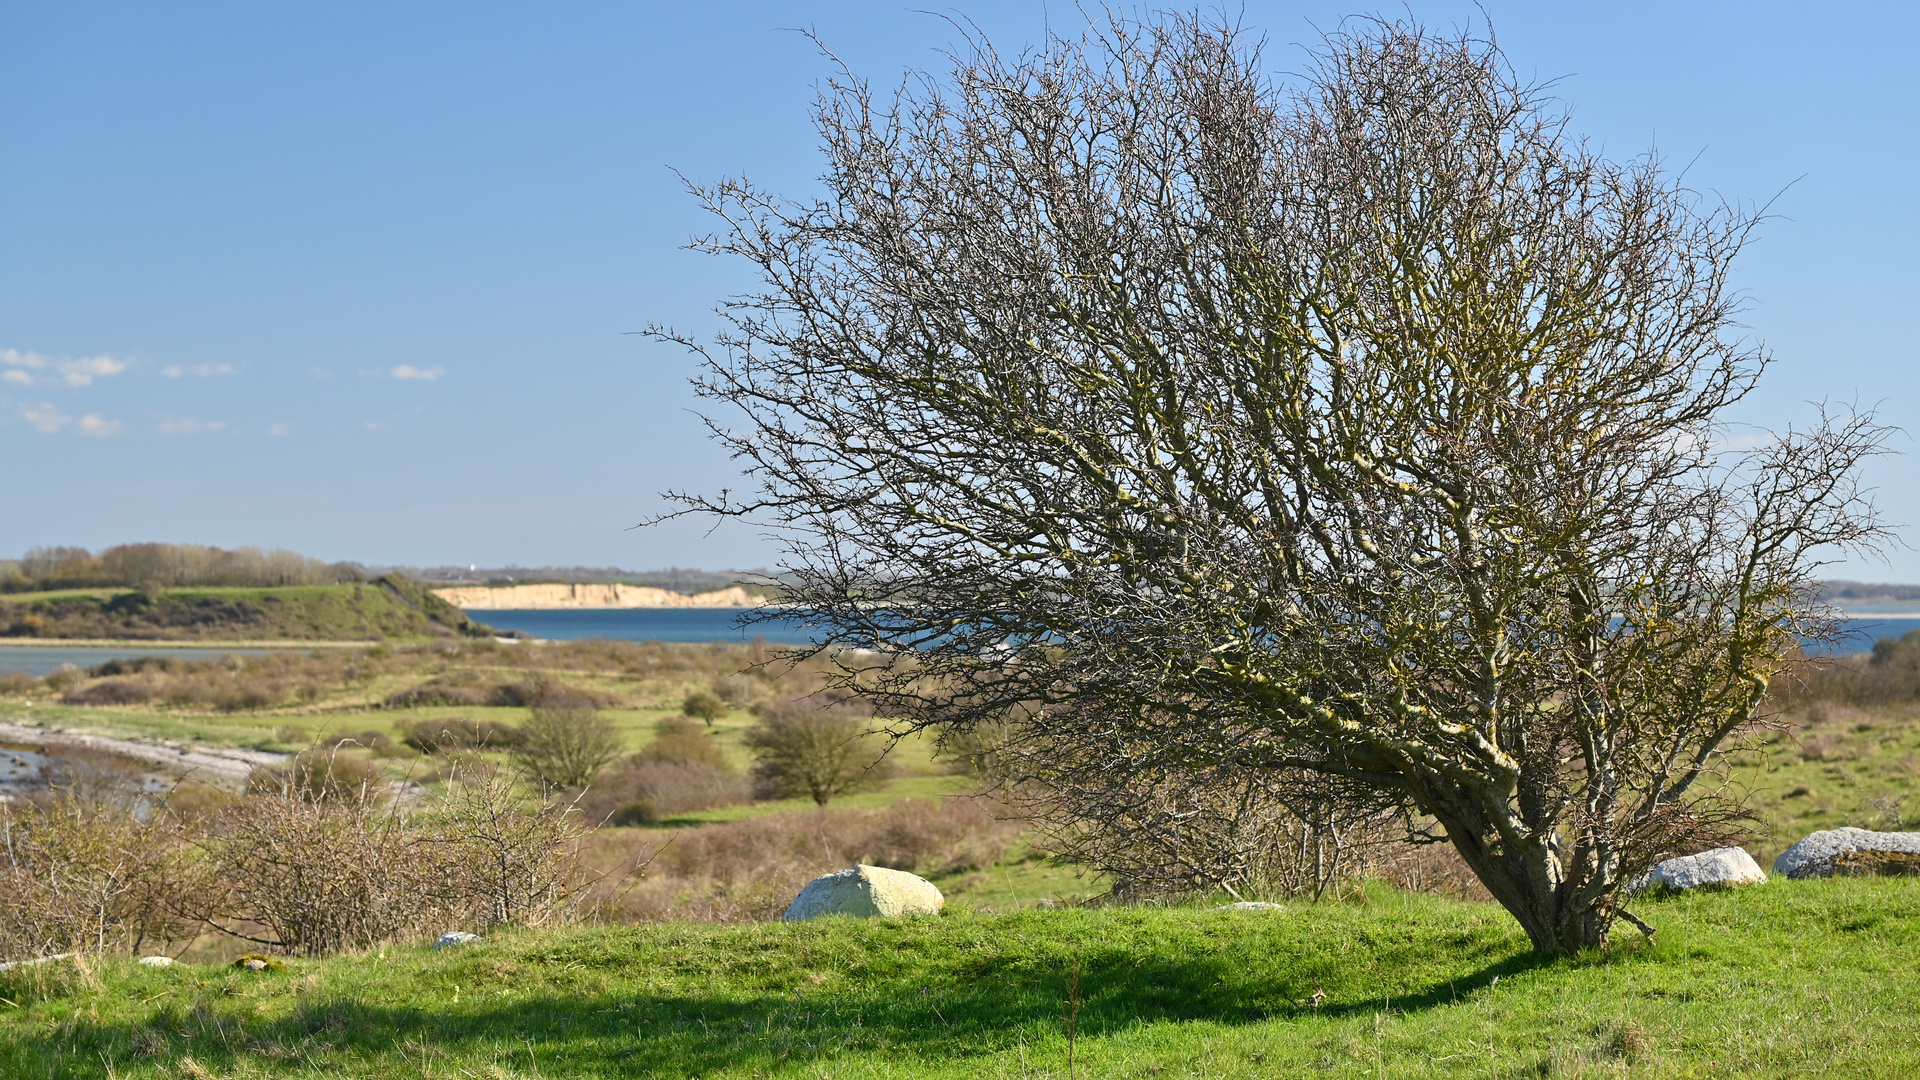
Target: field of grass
{"type": "Point", "coordinates": [1787, 979]}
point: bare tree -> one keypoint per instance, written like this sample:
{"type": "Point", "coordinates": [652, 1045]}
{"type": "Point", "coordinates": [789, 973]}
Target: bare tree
{"type": "Point", "coordinates": [567, 741]}
{"type": "Point", "coordinates": [819, 750]}
{"type": "Point", "coordinates": [1369, 426]}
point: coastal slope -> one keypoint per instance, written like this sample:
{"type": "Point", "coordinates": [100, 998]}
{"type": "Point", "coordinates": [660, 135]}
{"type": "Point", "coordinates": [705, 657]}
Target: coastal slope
{"type": "Point", "coordinates": [559, 596]}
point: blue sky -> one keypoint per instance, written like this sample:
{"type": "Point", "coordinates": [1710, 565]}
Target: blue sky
{"type": "Point", "coordinates": [354, 278]}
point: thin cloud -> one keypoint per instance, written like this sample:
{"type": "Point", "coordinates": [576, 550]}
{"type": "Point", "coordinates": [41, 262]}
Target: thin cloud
{"type": "Point", "coordinates": [190, 425]}
{"type": "Point", "coordinates": [33, 369]}
{"type": "Point", "coordinates": [95, 424]}
{"type": "Point", "coordinates": [408, 371]}
{"type": "Point", "coordinates": [44, 418]}
{"type": "Point", "coordinates": [280, 429]}
{"type": "Point", "coordinates": [198, 371]}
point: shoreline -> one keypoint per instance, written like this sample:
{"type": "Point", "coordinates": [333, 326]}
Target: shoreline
{"type": "Point", "coordinates": [232, 765]}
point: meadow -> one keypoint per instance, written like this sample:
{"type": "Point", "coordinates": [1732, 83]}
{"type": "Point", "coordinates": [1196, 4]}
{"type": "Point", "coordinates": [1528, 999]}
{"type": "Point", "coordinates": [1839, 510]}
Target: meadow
{"type": "Point", "coordinates": [679, 971]}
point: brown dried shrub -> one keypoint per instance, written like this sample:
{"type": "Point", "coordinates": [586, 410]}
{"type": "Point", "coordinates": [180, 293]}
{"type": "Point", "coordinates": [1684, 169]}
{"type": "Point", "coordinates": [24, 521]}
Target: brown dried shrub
{"type": "Point", "coordinates": [642, 792]}
{"type": "Point", "coordinates": [749, 870]}
{"type": "Point", "coordinates": [80, 873]}
{"type": "Point", "coordinates": [19, 684]}
{"type": "Point", "coordinates": [111, 692]}
{"type": "Point", "coordinates": [452, 733]}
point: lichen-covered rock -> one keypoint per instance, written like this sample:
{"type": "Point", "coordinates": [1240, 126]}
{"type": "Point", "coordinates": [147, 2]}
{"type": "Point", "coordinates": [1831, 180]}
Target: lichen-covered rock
{"type": "Point", "coordinates": [455, 937]}
{"type": "Point", "coordinates": [1251, 905]}
{"type": "Point", "coordinates": [1823, 853]}
{"type": "Point", "coordinates": [866, 892]}
{"type": "Point", "coordinates": [156, 961]}
{"type": "Point", "coordinates": [1721, 866]}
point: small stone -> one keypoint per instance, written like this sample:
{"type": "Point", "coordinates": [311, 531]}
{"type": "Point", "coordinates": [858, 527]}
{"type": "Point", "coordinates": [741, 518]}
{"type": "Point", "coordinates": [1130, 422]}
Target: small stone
{"type": "Point", "coordinates": [157, 961]}
{"type": "Point", "coordinates": [1721, 866]}
{"type": "Point", "coordinates": [1820, 854]}
{"type": "Point", "coordinates": [1251, 905]}
{"type": "Point", "coordinates": [453, 938]}
{"type": "Point", "coordinates": [865, 892]}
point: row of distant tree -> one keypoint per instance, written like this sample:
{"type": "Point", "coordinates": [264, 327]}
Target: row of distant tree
{"type": "Point", "coordinates": [167, 566]}
{"type": "Point", "coordinates": [674, 578]}
{"type": "Point", "coordinates": [187, 565]}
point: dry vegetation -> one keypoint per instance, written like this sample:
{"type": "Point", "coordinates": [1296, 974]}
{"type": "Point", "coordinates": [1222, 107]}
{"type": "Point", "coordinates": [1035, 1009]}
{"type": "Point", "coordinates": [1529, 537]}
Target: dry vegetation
{"type": "Point", "coordinates": [397, 820]}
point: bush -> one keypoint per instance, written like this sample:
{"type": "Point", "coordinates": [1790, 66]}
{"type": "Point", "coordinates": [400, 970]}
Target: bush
{"type": "Point", "coordinates": [83, 874]}
{"type": "Point", "coordinates": [318, 773]}
{"type": "Point", "coordinates": [640, 792]}
{"type": "Point", "coordinates": [462, 733]}
{"type": "Point", "coordinates": [679, 742]}
{"type": "Point", "coordinates": [19, 684]}
{"type": "Point", "coordinates": [64, 679]}
{"type": "Point", "coordinates": [703, 705]}
{"type": "Point", "coordinates": [111, 692]}
{"type": "Point", "coordinates": [567, 742]}
{"type": "Point", "coordinates": [804, 748]}
{"type": "Point", "coordinates": [749, 870]}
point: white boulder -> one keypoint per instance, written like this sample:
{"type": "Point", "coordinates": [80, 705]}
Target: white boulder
{"type": "Point", "coordinates": [455, 937]}
{"type": "Point", "coordinates": [156, 961]}
{"type": "Point", "coordinates": [1721, 866]}
{"type": "Point", "coordinates": [866, 892]}
{"type": "Point", "coordinates": [1251, 905]}
{"type": "Point", "coordinates": [1814, 855]}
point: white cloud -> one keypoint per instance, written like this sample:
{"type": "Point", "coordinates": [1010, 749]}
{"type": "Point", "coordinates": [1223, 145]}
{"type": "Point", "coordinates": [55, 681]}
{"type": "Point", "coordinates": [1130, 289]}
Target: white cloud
{"type": "Point", "coordinates": [95, 424]}
{"type": "Point", "coordinates": [198, 371]}
{"type": "Point", "coordinates": [82, 372]}
{"type": "Point", "coordinates": [31, 369]}
{"type": "Point", "coordinates": [408, 371]}
{"type": "Point", "coordinates": [44, 417]}
{"type": "Point", "coordinates": [279, 429]}
{"type": "Point", "coordinates": [189, 425]}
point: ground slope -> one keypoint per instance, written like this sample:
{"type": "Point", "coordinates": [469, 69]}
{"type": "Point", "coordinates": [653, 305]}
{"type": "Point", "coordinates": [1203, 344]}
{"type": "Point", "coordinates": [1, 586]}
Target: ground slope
{"type": "Point", "coordinates": [389, 609]}
{"type": "Point", "coordinates": [1786, 979]}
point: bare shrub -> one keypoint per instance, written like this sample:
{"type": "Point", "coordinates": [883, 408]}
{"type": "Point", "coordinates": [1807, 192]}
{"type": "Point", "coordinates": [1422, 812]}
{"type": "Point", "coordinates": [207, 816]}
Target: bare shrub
{"type": "Point", "coordinates": [567, 742]}
{"type": "Point", "coordinates": [743, 871]}
{"type": "Point", "coordinates": [679, 742]}
{"type": "Point", "coordinates": [292, 733]}
{"type": "Point", "coordinates": [321, 771]}
{"type": "Point", "coordinates": [817, 750]}
{"type": "Point", "coordinates": [462, 733]}
{"type": "Point", "coordinates": [19, 684]}
{"type": "Point", "coordinates": [737, 690]}
{"type": "Point", "coordinates": [317, 871]}
{"type": "Point", "coordinates": [641, 792]}
{"type": "Point", "coordinates": [111, 692]}
{"type": "Point", "coordinates": [81, 874]}
{"type": "Point", "coordinates": [65, 678]}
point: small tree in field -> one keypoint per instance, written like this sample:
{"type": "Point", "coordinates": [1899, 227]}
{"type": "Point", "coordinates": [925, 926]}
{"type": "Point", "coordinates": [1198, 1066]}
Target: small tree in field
{"type": "Point", "coordinates": [801, 748]}
{"type": "Point", "coordinates": [567, 742]}
{"type": "Point", "coordinates": [1210, 431]}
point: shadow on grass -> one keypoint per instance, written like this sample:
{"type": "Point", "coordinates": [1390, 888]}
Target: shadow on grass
{"type": "Point", "coordinates": [961, 1012]}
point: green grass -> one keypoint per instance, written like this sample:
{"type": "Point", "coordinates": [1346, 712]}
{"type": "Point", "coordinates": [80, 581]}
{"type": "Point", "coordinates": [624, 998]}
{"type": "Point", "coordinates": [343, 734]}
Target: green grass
{"type": "Point", "coordinates": [1788, 979]}
{"type": "Point", "coordinates": [365, 612]}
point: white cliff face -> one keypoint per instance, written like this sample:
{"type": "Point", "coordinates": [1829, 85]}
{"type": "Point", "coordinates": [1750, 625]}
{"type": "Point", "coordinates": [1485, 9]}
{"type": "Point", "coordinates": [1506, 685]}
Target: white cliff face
{"type": "Point", "coordinates": [549, 597]}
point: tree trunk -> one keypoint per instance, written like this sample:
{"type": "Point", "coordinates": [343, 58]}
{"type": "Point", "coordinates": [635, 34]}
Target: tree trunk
{"type": "Point", "coordinates": [1560, 917]}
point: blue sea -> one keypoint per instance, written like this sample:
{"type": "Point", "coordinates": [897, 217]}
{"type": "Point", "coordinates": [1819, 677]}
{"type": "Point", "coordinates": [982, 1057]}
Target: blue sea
{"type": "Point", "coordinates": [675, 624]}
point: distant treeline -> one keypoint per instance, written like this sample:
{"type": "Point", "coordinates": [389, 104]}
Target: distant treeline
{"type": "Point", "coordinates": [1860, 591]}
{"type": "Point", "coordinates": [674, 578]}
{"type": "Point", "coordinates": [166, 566]}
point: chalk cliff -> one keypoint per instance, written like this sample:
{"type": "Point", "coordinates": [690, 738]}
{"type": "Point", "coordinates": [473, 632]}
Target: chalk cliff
{"type": "Point", "coordinates": [539, 597]}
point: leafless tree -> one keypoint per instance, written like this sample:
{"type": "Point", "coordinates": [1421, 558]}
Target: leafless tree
{"type": "Point", "coordinates": [1369, 425]}
{"type": "Point", "coordinates": [817, 749]}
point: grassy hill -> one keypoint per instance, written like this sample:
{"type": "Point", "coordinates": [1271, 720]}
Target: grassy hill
{"type": "Point", "coordinates": [1787, 979]}
{"type": "Point", "coordinates": [389, 609]}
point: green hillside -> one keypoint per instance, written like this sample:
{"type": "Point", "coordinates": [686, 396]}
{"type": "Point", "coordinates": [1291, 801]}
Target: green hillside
{"type": "Point", "coordinates": [389, 609]}
{"type": "Point", "coordinates": [1787, 979]}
